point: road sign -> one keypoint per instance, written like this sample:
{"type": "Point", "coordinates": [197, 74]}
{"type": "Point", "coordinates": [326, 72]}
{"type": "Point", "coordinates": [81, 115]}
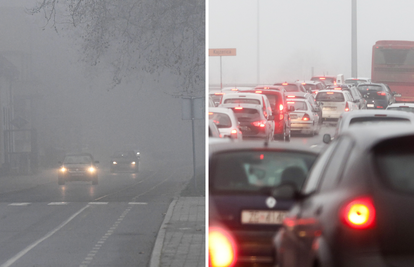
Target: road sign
{"type": "Point", "coordinates": [222, 52]}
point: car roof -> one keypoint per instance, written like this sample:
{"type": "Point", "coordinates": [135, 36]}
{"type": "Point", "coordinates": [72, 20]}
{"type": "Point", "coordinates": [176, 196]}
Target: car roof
{"type": "Point", "coordinates": [243, 95]}
{"type": "Point", "coordinates": [269, 87]}
{"type": "Point", "coordinates": [259, 145]}
{"type": "Point", "coordinates": [379, 84]}
{"type": "Point", "coordinates": [375, 112]}
{"type": "Point", "coordinates": [401, 104]}
{"type": "Point", "coordinates": [244, 105]}
{"type": "Point", "coordinates": [367, 136]}
{"type": "Point", "coordinates": [221, 110]}
{"type": "Point", "coordinates": [331, 90]}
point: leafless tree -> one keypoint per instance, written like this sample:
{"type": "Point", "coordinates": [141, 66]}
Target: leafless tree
{"type": "Point", "coordinates": [137, 35]}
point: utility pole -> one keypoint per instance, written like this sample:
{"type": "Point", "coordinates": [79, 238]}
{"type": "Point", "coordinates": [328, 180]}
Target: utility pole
{"type": "Point", "coordinates": [354, 40]}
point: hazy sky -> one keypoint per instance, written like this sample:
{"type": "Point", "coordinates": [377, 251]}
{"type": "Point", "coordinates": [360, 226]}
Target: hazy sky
{"type": "Point", "coordinates": [296, 35]}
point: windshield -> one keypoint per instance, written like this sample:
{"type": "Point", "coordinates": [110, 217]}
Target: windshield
{"type": "Point", "coordinates": [330, 97]}
{"type": "Point", "coordinates": [364, 88]}
{"type": "Point", "coordinates": [220, 119]}
{"type": "Point", "coordinates": [249, 171]}
{"type": "Point", "coordinates": [402, 108]}
{"type": "Point", "coordinates": [241, 101]}
{"type": "Point", "coordinates": [290, 87]}
{"type": "Point", "coordinates": [247, 114]}
{"type": "Point", "coordinates": [298, 105]}
{"type": "Point", "coordinates": [77, 160]}
{"type": "Point", "coordinates": [368, 120]}
{"type": "Point", "coordinates": [124, 154]}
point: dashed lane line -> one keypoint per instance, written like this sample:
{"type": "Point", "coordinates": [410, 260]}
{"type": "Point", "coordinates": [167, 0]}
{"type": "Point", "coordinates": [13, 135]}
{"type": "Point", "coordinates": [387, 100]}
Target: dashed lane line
{"type": "Point", "coordinates": [20, 204]}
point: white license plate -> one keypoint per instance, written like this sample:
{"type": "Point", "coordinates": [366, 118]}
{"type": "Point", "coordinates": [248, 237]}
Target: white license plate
{"type": "Point", "coordinates": [370, 105]}
{"type": "Point", "coordinates": [329, 108]}
{"type": "Point", "coordinates": [293, 116]}
{"type": "Point", "coordinates": [262, 217]}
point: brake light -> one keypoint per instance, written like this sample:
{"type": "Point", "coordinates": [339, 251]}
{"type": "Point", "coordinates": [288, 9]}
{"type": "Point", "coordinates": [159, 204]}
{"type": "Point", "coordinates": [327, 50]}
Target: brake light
{"type": "Point", "coordinates": [322, 78]}
{"type": "Point", "coordinates": [291, 96]}
{"type": "Point", "coordinates": [258, 92]}
{"type": "Point", "coordinates": [281, 107]}
{"type": "Point", "coordinates": [221, 248]}
{"type": "Point", "coordinates": [337, 88]}
{"type": "Point", "coordinates": [284, 83]}
{"type": "Point", "coordinates": [210, 113]}
{"type": "Point", "coordinates": [239, 108]}
{"type": "Point", "coordinates": [303, 83]}
{"type": "Point", "coordinates": [381, 93]}
{"type": "Point", "coordinates": [234, 89]}
{"type": "Point", "coordinates": [380, 107]}
{"type": "Point", "coordinates": [346, 107]}
{"type": "Point", "coordinates": [329, 93]}
{"type": "Point", "coordinates": [359, 213]}
{"type": "Point", "coordinates": [291, 102]}
{"type": "Point", "coordinates": [219, 93]}
{"type": "Point", "coordinates": [306, 117]}
{"type": "Point", "coordinates": [233, 133]}
{"type": "Point", "coordinates": [260, 124]}
{"type": "Point", "coordinates": [281, 116]}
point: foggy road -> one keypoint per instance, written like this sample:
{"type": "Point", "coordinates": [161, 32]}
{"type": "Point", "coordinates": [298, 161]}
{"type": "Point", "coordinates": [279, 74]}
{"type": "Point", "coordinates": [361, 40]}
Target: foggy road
{"type": "Point", "coordinates": [114, 223]}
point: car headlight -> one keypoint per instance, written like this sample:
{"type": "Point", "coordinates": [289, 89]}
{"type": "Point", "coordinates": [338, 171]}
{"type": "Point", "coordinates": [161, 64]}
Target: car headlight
{"type": "Point", "coordinates": [114, 162]}
{"type": "Point", "coordinates": [138, 153]}
{"type": "Point", "coordinates": [92, 169]}
{"type": "Point", "coordinates": [63, 169]}
{"type": "Point", "coordinates": [133, 163]}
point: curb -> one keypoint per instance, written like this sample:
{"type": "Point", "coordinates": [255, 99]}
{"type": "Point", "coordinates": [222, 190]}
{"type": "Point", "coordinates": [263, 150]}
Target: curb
{"type": "Point", "coordinates": [156, 251]}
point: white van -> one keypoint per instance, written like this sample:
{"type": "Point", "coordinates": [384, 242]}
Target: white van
{"type": "Point", "coordinates": [340, 79]}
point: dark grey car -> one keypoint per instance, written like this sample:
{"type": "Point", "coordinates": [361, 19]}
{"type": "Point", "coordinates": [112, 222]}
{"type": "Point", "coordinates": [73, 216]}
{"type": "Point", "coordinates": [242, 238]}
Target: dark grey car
{"type": "Point", "coordinates": [378, 95]}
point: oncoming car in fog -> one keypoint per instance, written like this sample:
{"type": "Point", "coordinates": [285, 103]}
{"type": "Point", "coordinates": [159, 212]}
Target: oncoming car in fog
{"type": "Point", "coordinates": [124, 161]}
{"type": "Point", "coordinates": [78, 167]}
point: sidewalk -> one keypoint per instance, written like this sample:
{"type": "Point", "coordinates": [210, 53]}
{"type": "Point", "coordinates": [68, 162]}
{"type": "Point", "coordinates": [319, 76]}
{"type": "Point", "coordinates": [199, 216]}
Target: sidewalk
{"type": "Point", "coordinates": [181, 239]}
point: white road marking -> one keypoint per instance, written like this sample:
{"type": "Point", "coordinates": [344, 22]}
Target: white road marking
{"type": "Point", "coordinates": [313, 146]}
{"type": "Point", "coordinates": [20, 204]}
{"type": "Point", "coordinates": [57, 203]}
{"type": "Point", "coordinates": [98, 203]}
{"type": "Point", "coordinates": [27, 249]}
{"type": "Point", "coordinates": [137, 203]}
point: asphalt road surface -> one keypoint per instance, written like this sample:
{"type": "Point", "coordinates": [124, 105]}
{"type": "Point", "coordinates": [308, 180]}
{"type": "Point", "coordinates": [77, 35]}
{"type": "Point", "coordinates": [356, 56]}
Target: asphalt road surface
{"type": "Point", "coordinates": [114, 223]}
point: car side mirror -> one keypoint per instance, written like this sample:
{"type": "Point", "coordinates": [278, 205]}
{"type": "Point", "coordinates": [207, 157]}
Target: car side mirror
{"type": "Point", "coordinates": [326, 138]}
{"type": "Point", "coordinates": [291, 108]}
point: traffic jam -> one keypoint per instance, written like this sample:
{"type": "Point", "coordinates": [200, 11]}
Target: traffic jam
{"type": "Point", "coordinates": [314, 172]}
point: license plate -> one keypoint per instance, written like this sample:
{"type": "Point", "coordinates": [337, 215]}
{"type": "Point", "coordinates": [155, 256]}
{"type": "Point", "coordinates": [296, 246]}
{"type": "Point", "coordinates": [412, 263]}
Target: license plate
{"type": "Point", "coordinates": [370, 105]}
{"type": "Point", "coordinates": [262, 217]}
{"type": "Point", "coordinates": [293, 116]}
{"type": "Point", "coordinates": [245, 128]}
{"type": "Point", "coordinates": [329, 108]}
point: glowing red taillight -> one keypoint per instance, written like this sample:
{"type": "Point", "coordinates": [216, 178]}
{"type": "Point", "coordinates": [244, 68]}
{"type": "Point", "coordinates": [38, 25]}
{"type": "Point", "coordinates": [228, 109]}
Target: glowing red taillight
{"type": "Point", "coordinates": [221, 248]}
{"type": "Point", "coordinates": [291, 96]}
{"type": "Point", "coordinates": [306, 117]}
{"type": "Point", "coordinates": [281, 107]}
{"type": "Point", "coordinates": [322, 78]}
{"type": "Point", "coordinates": [238, 108]}
{"type": "Point", "coordinates": [284, 83]}
{"type": "Point", "coordinates": [381, 93]}
{"type": "Point", "coordinates": [260, 124]}
{"type": "Point", "coordinates": [359, 213]}
{"type": "Point", "coordinates": [258, 92]}
{"type": "Point", "coordinates": [346, 107]}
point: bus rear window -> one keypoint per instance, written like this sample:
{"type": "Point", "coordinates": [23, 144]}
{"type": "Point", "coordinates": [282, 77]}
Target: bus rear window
{"type": "Point", "coordinates": [393, 57]}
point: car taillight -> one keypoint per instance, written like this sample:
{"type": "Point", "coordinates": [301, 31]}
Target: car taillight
{"type": "Point", "coordinates": [305, 117]}
{"type": "Point", "coordinates": [221, 248]}
{"type": "Point", "coordinates": [346, 107]}
{"type": "Point", "coordinates": [238, 108]}
{"type": "Point", "coordinates": [261, 124]}
{"type": "Point", "coordinates": [281, 107]}
{"type": "Point", "coordinates": [258, 92]}
{"type": "Point", "coordinates": [281, 116]}
{"type": "Point", "coordinates": [359, 213]}
{"type": "Point", "coordinates": [233, 133]}
{"type": "Point", "coordinates": [291, 96]}
{"type": "Point", "coordinates": [381, 93]}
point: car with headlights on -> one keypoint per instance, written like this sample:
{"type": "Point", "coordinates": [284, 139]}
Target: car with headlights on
{"type": "Point", "coordinates": [246, 187]}
{"type": "Point", "coordinates": [124, 161]}
{"type": "Point", "coordinates": [78, 167]}
{"type": "Point", "coordinates": [304, 118]}
{"type": "Point", "coordinates": [357, 205]}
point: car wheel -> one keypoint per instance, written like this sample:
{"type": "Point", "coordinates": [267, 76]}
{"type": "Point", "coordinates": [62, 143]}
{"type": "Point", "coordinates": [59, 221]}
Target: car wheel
{"type": "Point", "coordinates": [95, 181]}
{"type": "Point", "coordinates": [287, 137]}
{"type": "Point", "coordinates": [61, 181]}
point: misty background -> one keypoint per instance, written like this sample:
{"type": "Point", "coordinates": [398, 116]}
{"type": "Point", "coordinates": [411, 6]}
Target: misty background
{"type": "Point", "coordinates": [297, 35]}
{"type": "Point", "coordinates": [75, 106]}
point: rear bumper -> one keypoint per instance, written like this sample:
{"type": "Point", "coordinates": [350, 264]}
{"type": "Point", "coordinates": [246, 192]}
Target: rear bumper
{"type": "Point", "coordinates": [328, 114]}
{"type": "Point", "coordinates": [303, 127]}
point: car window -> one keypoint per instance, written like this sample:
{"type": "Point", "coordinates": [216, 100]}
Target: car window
{"type": "Point", "coordinates": [273, 101]}
{"type": "Point", "coordinates": [402, 108]}
{"type": "Point", "coordinates": [77, 160]}
{"type": "Point", "coordinates": [336, 164]}
{"type": "Point", "coordinates": [394, 163]}
{"type": "Point", "coordinates": [362, 88]}
{"type": "Point", "coordinates": [330, 96]}
{"type": "Point", "coordinates": [299, 105]}
{"type": "Point", "coordinates": [241, 101]}
{"type": "Point", "coordinates": [369, 120]}
{"type": "Point", "coordinates": [246, 114]}
{"type": "Point", "coordinates": [290, 87]}
{"type": "Point", "coordinates": [250, 171]}
{"type": "Point", "coordinates": [220, 119]}
{"type": "Point", "coordinates": [315, 174]}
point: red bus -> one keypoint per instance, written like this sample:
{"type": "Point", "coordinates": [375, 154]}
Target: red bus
{"type": "Point", "coordinates": [393, 64]}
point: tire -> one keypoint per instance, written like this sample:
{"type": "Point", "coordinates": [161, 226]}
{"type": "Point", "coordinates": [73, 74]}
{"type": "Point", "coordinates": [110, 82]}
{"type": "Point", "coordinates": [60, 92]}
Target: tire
{"type": "Point", "coordinates": [287, 138]}
{"type": "Point", "coordinates": [61, 181]}
{"type": "Point", "coordinates": [95, 181]}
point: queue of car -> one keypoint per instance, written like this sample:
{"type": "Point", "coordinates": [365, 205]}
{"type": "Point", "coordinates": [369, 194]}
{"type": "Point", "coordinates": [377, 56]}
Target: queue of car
{"type": "Point", "coordinates": [278, 204]}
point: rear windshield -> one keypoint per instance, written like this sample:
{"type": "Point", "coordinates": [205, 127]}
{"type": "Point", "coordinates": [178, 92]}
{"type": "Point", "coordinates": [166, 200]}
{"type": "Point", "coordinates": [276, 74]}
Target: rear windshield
{"type": "Point", "coordinates": [326, 80]}
{"type": "Point", "coordinates": [394, 161]}
{"type": "Point", "coordinates": [273, 101]}
{"type": "Point", "coordinates": [310, 86]}
{"type": "Point", "coordinates": [367, 120]}
{"type": "Point", "coordinates": [290, 87]}
{"type": "Point", "coordinates": [247, 114]}
{"type": "Point", "coordinates": [242, 101]}
{"type": "Point", "coordinates": [362, 88]}
{"type": "Point", "coordinates": [330, 96]}
{"type": "Point", "coordinates": [251, 171]}
{"type": "Point", "coordinates": [408, 109]}
{"type": "Point", "coordinates": [298, 105]}
{"type": "Point", "coordinates": [220, 119]}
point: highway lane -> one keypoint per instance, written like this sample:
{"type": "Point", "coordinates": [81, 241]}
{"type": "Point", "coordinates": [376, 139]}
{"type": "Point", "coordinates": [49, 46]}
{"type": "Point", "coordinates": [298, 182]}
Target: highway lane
{"type": "Point", "coordinates": [114, 223]}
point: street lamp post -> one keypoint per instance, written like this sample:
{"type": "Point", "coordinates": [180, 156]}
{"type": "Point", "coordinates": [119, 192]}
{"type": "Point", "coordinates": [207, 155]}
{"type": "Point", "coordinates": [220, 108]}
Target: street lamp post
{"type": "Point", "coordinates": [258, 37]}
{"type": "Point", "coordinates": [354, 40]}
